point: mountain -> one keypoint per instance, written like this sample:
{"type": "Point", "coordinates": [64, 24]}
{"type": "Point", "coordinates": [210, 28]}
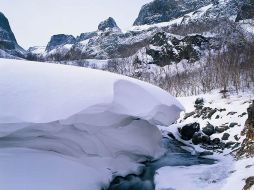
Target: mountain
{"type": "Point", "coordinates": [9, 47]}
{"type": "Point", "coordinates": [175, 19]}
{"type": "Point", "coordinates": [165, 10]}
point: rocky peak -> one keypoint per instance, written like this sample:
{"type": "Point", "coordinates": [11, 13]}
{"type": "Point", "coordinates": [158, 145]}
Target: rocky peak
{"type": "Point", "coordinates": [5, 29]}
{"type": "Point", "coordinates": [109, 23]}
{"type": "Point", "coordinates": [8, 43]}
{"type": "Point", "coordinates": [60, 39]}
{"type": "Point", "coordinates": [166, 10]}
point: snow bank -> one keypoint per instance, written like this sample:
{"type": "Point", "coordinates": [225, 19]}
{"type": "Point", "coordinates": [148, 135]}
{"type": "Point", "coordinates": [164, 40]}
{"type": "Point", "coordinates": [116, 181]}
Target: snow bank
{"type": "Point", "coordinates": [65, 127]}
{"type": "Point", "coordinates": [197, 177]}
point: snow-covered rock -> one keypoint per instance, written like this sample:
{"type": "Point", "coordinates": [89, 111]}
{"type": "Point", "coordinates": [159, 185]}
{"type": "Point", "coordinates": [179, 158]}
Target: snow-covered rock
{"type": "Point", "coordinates": [65, 127]}
{"type": "Point", "coordinates": [8, 43]}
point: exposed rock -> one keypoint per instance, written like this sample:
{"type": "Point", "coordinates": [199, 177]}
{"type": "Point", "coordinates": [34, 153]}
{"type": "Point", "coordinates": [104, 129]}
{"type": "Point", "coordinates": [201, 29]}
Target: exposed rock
{"type": "Point", "coordinates": [60, 39]}
{"type": "Point", "coordinates": [231, 125]}
{"type": "Point", "coordinates": [199, 101]}
{"type": "Point", "coordinates": [189, 130]}
{"type": "Point", "coordinates": [106, 24]}
{"type": "Point", "coordinates": [221, 129]}
{"type": "Point", "coordinates": [246, 11]}
{"type": "Point", "coordinates": [236, 137]}
{"type": "Point", "coordinates": [225, 136]}
{"type": "Point", "coordinates": [171, 135]}
{"type": "Point", "coordinates": [8, 42]}
{"type": "Point", "coordinates": [208, 129]}
{"type": "Point", "coordinates": [231, 113]}
{"type": "Point", "coordinates": [247, 147]}
{"type": "Point", "coordinates": [165, 49]}
{"type": "Point", "coordinates": [249, 182]}
{"type": "Point", "coordinates": [243, 114]}
{"type": "Point", "coordinates": [229, 144]}
{"type": "Point", "coordinates": [187, 115]}
{"type": "Point", "coordinates": [166, 10]}
{"type": "Point", "coordinates": [197, 138]}
{"type": "Point", "coordinates": [216, 141]}
{"type": "Point", "coordinates": [85, 36]}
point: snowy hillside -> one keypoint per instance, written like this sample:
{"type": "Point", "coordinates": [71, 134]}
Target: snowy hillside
{"type": "Point", "coordinates": [211, 126]}
{"type": "Point", "coordinates": [76, 128]}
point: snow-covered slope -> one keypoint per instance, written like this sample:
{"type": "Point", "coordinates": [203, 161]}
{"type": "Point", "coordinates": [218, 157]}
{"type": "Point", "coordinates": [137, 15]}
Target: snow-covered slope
{"type": "Point", "coordinates": [221, 119]}
{"type": "Point", "coordinates": [75, 128]}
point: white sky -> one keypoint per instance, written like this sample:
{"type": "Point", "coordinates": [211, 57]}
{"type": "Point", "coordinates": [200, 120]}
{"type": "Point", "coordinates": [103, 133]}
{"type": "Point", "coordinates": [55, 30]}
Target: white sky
{"type": "Point", "coordinates": [34, 21]}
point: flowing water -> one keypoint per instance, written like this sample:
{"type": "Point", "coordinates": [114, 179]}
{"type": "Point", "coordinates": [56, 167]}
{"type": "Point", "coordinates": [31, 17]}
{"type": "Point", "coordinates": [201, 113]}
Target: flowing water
{"type": "Point", "coordinates": [175, 156]}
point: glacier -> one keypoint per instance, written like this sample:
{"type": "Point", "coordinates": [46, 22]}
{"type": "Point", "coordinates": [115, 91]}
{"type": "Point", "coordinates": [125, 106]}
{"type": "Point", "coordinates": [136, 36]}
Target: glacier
{"type": "Point", "coordinates": [70, 128]}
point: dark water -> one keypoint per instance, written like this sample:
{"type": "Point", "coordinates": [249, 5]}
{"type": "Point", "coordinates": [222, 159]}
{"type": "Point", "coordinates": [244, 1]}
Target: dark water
{"type": "Point", "coordinates": [175, 156]}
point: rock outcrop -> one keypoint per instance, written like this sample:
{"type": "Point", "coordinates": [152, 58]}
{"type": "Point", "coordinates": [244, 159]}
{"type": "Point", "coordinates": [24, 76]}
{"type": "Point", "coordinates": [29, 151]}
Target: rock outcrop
{"type": "Point", "coordinates": [106, 24]}
{"type": "Point", "coordinates": [8, 43]}
{"type": "Point", "coordinates": [166, 10]}
{"type": "Point", "coordinates": [60, 39]}
{"type": "Point", "coordinates": [247, 147]}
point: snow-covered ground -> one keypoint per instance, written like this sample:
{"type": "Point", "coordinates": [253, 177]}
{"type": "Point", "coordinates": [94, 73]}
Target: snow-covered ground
{"type": "Point", "coordinates": [228, 173]}
{"type": "Point", "coordinates": [71, 128]}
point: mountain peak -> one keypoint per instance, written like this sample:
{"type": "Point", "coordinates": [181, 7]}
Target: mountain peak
{"type": "Point", "coordinates": [108, 23]}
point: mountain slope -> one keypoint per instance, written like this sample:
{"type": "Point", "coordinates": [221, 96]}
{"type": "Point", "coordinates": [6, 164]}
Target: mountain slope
{"type": "Point", "coordinates": [8, 42]}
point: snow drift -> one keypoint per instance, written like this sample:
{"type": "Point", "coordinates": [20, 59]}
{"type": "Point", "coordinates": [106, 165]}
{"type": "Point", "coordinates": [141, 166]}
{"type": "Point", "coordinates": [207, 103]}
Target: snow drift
{"type": "Point", "coordinates": [70, 128]}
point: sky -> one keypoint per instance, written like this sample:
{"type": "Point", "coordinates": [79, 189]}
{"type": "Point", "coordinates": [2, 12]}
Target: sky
{"type": "Point", "coordinates": [33, 22]}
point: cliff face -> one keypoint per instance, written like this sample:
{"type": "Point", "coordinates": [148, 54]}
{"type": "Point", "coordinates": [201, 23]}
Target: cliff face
{"type": "Point", "coordinates": [247, 148]}
{"type": "Point", "coordinates": [8, 43]}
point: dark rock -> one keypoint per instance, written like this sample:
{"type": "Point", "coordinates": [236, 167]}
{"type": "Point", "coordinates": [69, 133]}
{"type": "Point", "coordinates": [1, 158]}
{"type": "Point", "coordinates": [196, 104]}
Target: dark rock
{"type": "Point", "coordinates": [59, 39]}
{"type": "Point", "coordinates": [165, 10]}
{"type": "Point", "coordinates": [221, 129]}
{"type": "Point", "coordinates": [243, 114]}
{"type": "Point", "coordinates": [236, 145]}
{"type": "Point", "coordinates": [8, 41]}
{"type": "Point", "coordinates": [229, 144]}
{"type": "Point", "coordinates": [187, 115]}
{"type": "Point", "coordinates": [210, 114]}
{"type": "Point", "coordinates": [171, 135]}
{"type": "Point", "coordinates": [208, 129]}
{"type": "Point", "coordinates": [199, 101]}
{"type": "Point", "coordinates": [249, 183]}
{"type": "Point", "coordinates": [205, 139]}
{"type": "Point", "coordinates": [106, 24]}
{"type": "Point", "coordinates": [197, 138]}
{"type": "Point", "coordinates": [225, 136]}
{"type": "Point", "coordinates": [189, 130]}
{"type": "Point", "coordinates": [231, 113]}
{"type": "Point", "coordinates": [237, 138]}
{"type": "Point", "coordinates": [172, 50]}
{"type": "Point", "coordinates": [221, 110]}
{"type": "Point", "coordinates": [85, 36]}
{"type": "Point", "coordinates": [231, 125]}
{"type": "Point", "coordinates": [216, 141]}
{"type": "Point", "coordinates": [246, 11]}
{"type": "Point", "coordinates": [217, 117]}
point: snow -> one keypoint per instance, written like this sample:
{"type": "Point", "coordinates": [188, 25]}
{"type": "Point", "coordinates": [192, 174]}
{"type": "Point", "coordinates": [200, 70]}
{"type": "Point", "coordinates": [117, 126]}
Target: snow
{"type": "Point", "coordinates": [76, 128]}
{"type": "Point", "coordinates": [197, 177]}
{"type": "Point", "coordinates": [227, 173]}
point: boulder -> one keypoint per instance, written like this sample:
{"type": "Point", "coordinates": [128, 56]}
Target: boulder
{"type": "Point", "coordinates": [208, 129]}
{"type": "Point", "coordinates": [189, 130]}
{"type": "Point", "coordinates": [225, 136]}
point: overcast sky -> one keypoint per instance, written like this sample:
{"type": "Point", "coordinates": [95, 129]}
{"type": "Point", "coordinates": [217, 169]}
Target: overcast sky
{"type": "Point", "coordinates": [35, 21]}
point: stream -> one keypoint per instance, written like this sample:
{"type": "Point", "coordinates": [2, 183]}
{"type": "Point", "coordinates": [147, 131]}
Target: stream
{"type": "Point", "coordinates": [175, 156]}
